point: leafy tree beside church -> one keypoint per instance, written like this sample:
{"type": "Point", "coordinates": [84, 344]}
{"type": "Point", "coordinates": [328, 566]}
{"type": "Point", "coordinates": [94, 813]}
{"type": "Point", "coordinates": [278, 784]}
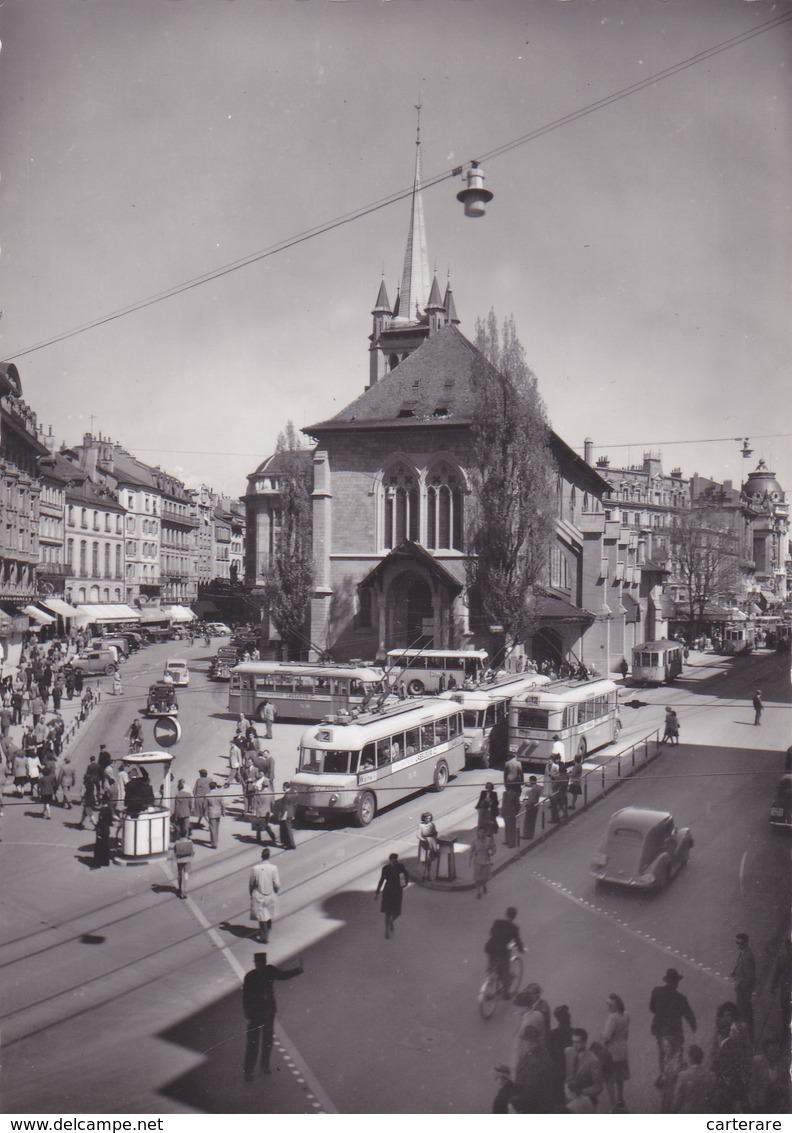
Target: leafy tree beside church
{"type": "Point", "coordinates": [512, 473]}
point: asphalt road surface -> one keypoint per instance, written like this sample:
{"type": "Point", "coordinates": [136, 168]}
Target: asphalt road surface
{"type": "Point", "coordinates": [119, 998]}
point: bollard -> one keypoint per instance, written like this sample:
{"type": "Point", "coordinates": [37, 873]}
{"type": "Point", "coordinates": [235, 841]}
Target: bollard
{"type": "Point", "coordinates": [445, 860]}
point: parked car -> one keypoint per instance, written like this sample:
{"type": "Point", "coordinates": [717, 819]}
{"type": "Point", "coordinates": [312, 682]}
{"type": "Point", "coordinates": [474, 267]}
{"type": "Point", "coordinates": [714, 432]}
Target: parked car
{"type": "Point", "coordinates": [133, 640]}
{"type": "Point", "coordinates": [218, 629]}
{"type": "Point", "coordinates": [781, 810]}
{"type": "Point", "coordinates": [176, 669]}
{"type": "Point", "coordinates": [119, 643]}
{"type": "Point", "coordinates": [95, 661]}
{"type": "Point", "coordinates": [642, 848]}
{"type": "Point", "coordinates": [158, 633]}
{"type": "Point", "coordinates": [161, 700]}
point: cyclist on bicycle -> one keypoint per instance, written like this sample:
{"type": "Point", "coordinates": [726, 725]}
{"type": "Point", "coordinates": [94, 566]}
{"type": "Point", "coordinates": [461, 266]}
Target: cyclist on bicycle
{"type": "Point", "coordinates": [503, 934]}
{"type": "Point", "coordinates": [135, 734]}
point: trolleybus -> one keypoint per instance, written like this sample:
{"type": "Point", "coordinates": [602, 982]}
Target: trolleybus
{"type": "Point", "coordinates": [300, 691]}
{"type": "Point", "coordinates": [656, 662]}
{"type": "Point", "coordinates": [583, 714]}
{"type": "Point", "coordinates": [739, 637]}
{"type": "Point", "coordinates": [356, 766]}
{"type": "Point", "coordinates": [421, 669]}
{"type": "Point", "coordinates": [485, 714]}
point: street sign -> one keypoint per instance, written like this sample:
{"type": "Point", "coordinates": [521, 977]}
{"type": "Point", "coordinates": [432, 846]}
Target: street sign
{"type": "Point", "coordinates": [167, 731]}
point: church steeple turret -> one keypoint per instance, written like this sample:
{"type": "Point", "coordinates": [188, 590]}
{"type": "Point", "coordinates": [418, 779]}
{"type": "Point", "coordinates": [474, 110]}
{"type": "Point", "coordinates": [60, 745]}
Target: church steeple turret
{"type": "Point", "coordinates": [415, 277]}
{"type": "Point", "coordinates": [435, 309]}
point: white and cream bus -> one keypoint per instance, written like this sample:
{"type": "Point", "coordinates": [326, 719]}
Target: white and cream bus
{"type": "Point", "coordinates": [485, 714]}
{"type": "Point", "coordinates": [583, 714]}
{"type": "Point", "coordinates": [300, 691]}
{"type": "Point", "coordinates": [422, 669]}
{"type": "Point", "coordinates": [355, 767]}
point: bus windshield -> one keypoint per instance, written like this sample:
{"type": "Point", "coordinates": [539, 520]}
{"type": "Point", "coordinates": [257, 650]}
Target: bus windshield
{"type": "Point", "coordinates": [533, 718]}
{"type": "Point", "coordinates": [320, 761]}
{"type": "Point", "coordinates": [471, 718]}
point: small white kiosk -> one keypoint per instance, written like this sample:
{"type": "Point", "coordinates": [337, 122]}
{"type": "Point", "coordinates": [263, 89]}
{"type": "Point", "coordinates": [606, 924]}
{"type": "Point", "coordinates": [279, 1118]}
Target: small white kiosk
{"type": "Point", "coordinates": [146, 836]}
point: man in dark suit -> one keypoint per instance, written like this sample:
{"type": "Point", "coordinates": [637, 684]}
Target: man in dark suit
{"type": "Point", "coordinates": [670, 1008]}
{"type": "Point", "coordinates": [488, 808]}
{"type": "Point", "coordinates": [260, 1008]}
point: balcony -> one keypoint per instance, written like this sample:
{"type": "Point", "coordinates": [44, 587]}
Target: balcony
{"type": "Point", "coordinates": [175, 518]}
{"type": "Point", "coordinates": [53, 570]}
{"type": "Point", "coordinates": [591, 522]}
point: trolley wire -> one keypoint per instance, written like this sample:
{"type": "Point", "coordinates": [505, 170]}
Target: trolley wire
{"type": "Point", "coordinates": [400, 194]}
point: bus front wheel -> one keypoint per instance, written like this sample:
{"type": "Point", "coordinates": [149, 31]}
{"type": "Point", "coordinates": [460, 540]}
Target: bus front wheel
{"type": "Point", "coordinates": [415, 688]}
{"type": "Point", "coordinates": [582, 748]}
{"type": "Point", "coordinates": [441, 776]}
{"type": "Point", "coordinates": [366, 809]}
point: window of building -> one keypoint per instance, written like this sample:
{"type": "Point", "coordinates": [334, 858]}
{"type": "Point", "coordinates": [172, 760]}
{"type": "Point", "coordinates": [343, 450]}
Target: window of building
{"type": "Point", "coordinates": [70, 553]}
{"type": "Point", "coordinates": [83, 558]}
{"type": "Point", "coordinates": [401, 506]}
{"type": "Point", "coordinates": [118, 561]}
{"type": "Point", "coordinates": [119, 527]}
{"type": "Point", "coordinates": [84, 517]}
{"type": "Point", "coordinates": [444, 509]}
{"type": "Point", "coordinates": [70, 515]}
{"type": "Point", "coordinates": [96, 521]}
{"type": "Point", "coordinates": [107, 561]}
{"type": "Point", "coordinates": [95, 560]}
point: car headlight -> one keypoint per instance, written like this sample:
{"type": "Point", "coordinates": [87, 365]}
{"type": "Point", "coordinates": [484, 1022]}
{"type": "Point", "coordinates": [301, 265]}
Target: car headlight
{"type": "Point", "coordinates": [647, 879]}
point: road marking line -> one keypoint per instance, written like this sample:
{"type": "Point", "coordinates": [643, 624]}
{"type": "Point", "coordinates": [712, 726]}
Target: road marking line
{"type": "Point", "coordinates": [665, 948]}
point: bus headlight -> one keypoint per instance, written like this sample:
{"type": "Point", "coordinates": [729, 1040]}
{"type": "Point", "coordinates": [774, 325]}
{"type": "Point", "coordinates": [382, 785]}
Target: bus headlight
{"type": "Point", "coordinates": [467, 745]}
{"type": "Point", "coordinates": [333, 800]}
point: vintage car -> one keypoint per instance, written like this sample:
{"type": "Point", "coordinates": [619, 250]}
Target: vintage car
{"type": "Point", "coordinates": [176, 669]}
{"type": "Point", "coordinates": [96, 661]}
{"type": "Point", "coordinates": [781, 810]}
{"type": "Point", "coordinates": [642, 848]}
{"type": "Point", "coordinates": [161, 700]}
{"type": "Point", "coordinates": [218, 629]}
{"type": "Point", "coordinates": [223, 663]}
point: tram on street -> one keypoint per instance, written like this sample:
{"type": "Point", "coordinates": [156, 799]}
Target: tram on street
{"type": "Point", "coordinates": [485, 714]}
{"type": "Point", "coordinates": [355, 766]}
{"type": "Point", "coordinates": [739, 637]}
{"type": "Point", "coordinates": [657, 662]}
{"type": "Point", "coordinates": [583, 714]}
{"type": "Point", "coordinates": [300, 691]}
{"type": "Point", "coordinates": [422, 669]}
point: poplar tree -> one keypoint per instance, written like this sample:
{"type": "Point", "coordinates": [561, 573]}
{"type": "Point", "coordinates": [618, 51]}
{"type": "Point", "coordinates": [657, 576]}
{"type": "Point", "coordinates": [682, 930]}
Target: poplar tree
{"type": "Point", "coordinates": [513, 483]}
{"type": "Point", "coordinates": [289, 578]}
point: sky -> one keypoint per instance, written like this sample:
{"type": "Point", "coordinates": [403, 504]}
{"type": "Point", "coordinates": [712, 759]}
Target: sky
{"type": "Point", "coordinates": [643, 249]}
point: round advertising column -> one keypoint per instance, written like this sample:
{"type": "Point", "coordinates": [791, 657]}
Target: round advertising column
{"type": "Point", "coordinates": [145, 833]}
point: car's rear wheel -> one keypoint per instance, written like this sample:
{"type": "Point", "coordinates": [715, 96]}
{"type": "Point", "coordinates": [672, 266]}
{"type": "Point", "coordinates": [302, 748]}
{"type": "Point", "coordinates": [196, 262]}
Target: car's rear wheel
{"type": "Point", "coordinates": [110, 669]}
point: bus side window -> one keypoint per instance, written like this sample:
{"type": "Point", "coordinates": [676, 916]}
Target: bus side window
{"type": "Point", "coordinates": [570, 716]}
{"type": "Point", "coordinates": [427, 736]}
{"type": "Point", "coordinates": [456, 726]}
{"type": "Point", "coordinates": [367, 758]}
{"type": "Point", "coordinates": [441, 731]}
{"type": "Point", "coordinates": [396, 747]}
{"type": "Point", "coordinates": [412, 741]}
{"type": "Point", "coordinates": [471, 667]}
{"type": "Point", "coordinates": [383, 752]}
{"type": "Point", "coordinates": [322, 684]}
{"type": "Point", "coordinates": [354, 756]}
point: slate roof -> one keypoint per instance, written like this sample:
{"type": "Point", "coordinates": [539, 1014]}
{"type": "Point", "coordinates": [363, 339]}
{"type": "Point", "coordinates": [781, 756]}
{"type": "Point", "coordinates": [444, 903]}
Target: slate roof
{"type": "Point", "coordinates": [436, 376]}
{"type": "Point", "coordinates": [285, 461]}
{"type": "Point", "coordinates": [433, 386]}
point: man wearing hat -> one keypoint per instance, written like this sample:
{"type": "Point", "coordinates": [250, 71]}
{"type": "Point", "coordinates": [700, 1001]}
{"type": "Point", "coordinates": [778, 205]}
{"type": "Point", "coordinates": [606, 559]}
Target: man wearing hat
{"type": "Point", "coordinates": [669, 1008]}
{"type": "Point", "coordinates": [260, 1008]}
{"type": "Point", "coordinates": [744, 977]}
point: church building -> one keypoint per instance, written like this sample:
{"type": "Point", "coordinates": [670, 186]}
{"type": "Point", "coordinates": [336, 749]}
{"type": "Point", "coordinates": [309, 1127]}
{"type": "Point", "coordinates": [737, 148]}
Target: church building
{"type": "Point", "coordinates": [392, 500]}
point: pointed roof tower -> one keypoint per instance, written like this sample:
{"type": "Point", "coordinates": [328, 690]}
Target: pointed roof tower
{"type": "Point", "coordinates": [415, 277]}
{"type": "Point", "coordinates": [382, 305]}
{"type": "Point", "coordinates": [450, 306]}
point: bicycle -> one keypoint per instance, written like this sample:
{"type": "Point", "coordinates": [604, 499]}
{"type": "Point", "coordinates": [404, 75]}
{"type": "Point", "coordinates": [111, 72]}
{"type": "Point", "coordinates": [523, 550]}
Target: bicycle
{"type": "Point", "coordinates": [494, 987]}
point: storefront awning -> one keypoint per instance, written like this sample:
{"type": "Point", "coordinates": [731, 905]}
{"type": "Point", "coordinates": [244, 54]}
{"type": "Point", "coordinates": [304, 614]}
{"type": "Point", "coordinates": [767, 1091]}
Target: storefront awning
{"type": "Point", "coordinates": [771, 598]}
{"type": "Point", "coordinates": [180, 614]}
{"type": "Point", "coordinates": [151, 615]}
{"type": "Point", "coordinates": [87, 612]}
{"type": "Point", "coordinates": [632, 609]}
{"type": "Point", "coordinates": [58, 606]}
{"type": "Point", "coordinates": [38, 615]}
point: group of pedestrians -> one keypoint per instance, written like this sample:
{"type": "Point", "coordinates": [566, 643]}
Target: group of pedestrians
{"type": "Point", "coordinates": [553, 1067]}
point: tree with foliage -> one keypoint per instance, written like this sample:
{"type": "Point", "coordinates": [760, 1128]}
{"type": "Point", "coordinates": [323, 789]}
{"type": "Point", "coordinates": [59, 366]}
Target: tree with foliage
{"type": "Point", "coordinates": [289, 578]}
{"type": "Point", "coordinates": [513, 474]}
{"type": "Point", "coordinates": [706, 552]}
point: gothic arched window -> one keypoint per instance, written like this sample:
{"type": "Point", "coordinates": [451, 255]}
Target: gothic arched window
{"type": "Point", "coordinates": [445, 509]}
{"type": "Point", "coordinates": [401, 512]}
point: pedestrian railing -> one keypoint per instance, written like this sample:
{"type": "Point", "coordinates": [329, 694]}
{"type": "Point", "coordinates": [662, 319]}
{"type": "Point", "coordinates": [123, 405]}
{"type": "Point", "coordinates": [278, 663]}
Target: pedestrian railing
{"type": "Point", "coordinates": [596, 783]}
{"type": "Point", "coordinates": [73, 729]}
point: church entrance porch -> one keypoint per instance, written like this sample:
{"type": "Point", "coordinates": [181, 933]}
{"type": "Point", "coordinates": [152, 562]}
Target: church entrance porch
{"type": "Point", "coordinates": [417, 600]}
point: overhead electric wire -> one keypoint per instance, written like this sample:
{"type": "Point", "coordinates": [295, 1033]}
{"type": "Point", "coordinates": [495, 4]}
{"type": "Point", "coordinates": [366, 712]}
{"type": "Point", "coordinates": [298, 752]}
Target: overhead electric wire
{"type": "Point", "coordinates": [400, 194]}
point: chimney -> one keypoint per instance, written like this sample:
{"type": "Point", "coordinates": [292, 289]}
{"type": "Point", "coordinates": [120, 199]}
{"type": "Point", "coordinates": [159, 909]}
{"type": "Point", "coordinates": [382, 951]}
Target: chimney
{"type": "Point", "coordinates": [588, 450]}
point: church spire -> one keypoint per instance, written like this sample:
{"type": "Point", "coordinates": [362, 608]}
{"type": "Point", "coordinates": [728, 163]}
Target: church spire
{"type": "Point", "coordinates": [415, 278]}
